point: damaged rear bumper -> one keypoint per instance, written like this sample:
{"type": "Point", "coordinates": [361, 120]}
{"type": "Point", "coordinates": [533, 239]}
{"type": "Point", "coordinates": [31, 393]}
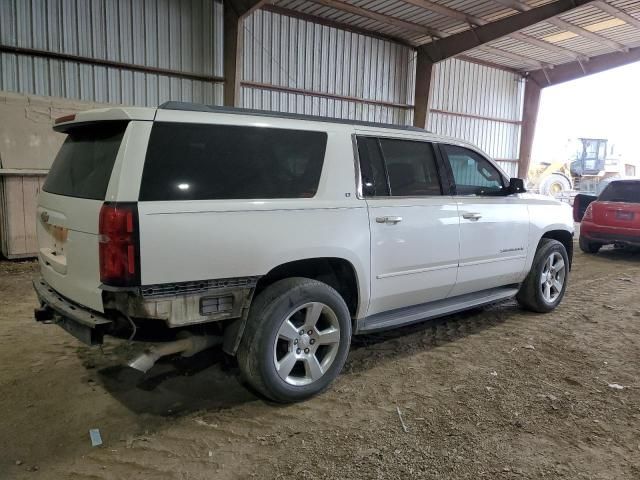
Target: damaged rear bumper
{"type": "Point", "coordinates": [87, 326]}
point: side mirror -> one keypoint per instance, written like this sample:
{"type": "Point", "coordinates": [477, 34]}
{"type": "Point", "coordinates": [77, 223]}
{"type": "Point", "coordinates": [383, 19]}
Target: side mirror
{"type": "Point", "coordinates": [580, 204]}
{"type": "Point", "coordinates": [516, 185]}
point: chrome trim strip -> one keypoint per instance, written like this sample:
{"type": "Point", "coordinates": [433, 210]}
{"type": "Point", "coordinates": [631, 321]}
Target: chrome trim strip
{"type": "Point", "coordinates": [417, 270]}
{"type": "Point", "coordinates": [492, 260]}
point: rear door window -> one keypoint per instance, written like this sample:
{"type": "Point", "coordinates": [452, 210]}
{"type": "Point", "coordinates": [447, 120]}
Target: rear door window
{"type": "Point", "coordinates": [84, 163]}
{"type": "Point", "coordinates": [398, 168]}
{"type": "Point", "coordinates": [411, 167]}
{"type": "Point", "coordinates": [627, 192]}
{"type": "Point", "coordinates": [220, 162]}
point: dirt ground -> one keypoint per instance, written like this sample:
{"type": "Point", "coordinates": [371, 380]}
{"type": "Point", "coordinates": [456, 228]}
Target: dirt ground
{"type": "Point", "coordinates": [495, 393]}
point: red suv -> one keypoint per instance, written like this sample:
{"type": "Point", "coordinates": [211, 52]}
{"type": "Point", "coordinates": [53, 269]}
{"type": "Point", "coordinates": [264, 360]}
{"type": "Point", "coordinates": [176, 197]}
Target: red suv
{"type": "Point", "coordinates": [611, 218]}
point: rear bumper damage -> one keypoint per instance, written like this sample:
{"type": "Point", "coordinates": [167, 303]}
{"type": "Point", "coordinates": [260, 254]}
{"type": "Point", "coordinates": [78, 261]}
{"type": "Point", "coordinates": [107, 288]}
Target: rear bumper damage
{"type": "Point", "coordinates": [90, 328]}
{"type": "Point", "coordinates": [87, 326]}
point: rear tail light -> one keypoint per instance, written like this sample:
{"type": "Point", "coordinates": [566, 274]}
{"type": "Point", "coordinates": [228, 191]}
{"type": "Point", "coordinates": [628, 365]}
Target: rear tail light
{"type": "Point", "coordinates": [119, 244]}
{"type": "Point", "coordinates": [588, 213]}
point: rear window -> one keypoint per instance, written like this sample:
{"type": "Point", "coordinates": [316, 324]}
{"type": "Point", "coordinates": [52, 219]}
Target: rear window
{"type": "Point", "coordinates": [214, 162]}
{"type": "Point", "coordinates": [84, 163]}
{"type": "Point", "coordinates": [628, 192]}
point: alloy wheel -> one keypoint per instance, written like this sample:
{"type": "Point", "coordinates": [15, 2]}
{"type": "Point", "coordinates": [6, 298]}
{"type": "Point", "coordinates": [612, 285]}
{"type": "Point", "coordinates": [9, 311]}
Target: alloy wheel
{"type": "Point", "coordinates": [306, 344]}
{"type": "Point", "coordinates": [552, 277]}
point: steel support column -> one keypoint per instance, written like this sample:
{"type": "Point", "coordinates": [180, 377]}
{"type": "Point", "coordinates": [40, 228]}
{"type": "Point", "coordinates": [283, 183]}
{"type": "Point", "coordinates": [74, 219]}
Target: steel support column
{"type": "Point", "coordinates": [424, 74]}
{"type": "Point", "coordinates": [234, 13]}
{"type": "Point", "coordinates": [529, 118]}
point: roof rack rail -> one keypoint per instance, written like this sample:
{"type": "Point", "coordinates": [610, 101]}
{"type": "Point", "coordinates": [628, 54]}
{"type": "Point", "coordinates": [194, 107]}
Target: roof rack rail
{"type": "Point", "coordinates": [196, 107]}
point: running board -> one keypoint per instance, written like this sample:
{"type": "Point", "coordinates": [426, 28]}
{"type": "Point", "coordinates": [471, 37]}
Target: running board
{"type": "Point", "coordinates": [426, 311]}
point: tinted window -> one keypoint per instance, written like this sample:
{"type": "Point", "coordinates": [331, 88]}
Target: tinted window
{"type": "Point", "coordinates": [628, 192]}
{"type": "Point", "coordinates": [411, 167]}
{"type": "Point", "coordinates": [374, 177]}
{"type": "Point", "coordinates": [84, 163]}
{"type": "Point", "coordinates": [198, 162]}
{"type": "Point", "coordinates": [472, 173]}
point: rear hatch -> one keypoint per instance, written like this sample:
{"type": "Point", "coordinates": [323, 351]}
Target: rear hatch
{"type": "Point", "coordinates": [69, 209]}
{"type": "Point", "coordinates": [619, 205]}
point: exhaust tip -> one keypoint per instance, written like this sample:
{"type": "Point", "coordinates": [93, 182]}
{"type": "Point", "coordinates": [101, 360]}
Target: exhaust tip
{"type": "Point", "coordinates": [188, 347]}
{"type": "Point", "coordinates": [143, 363]}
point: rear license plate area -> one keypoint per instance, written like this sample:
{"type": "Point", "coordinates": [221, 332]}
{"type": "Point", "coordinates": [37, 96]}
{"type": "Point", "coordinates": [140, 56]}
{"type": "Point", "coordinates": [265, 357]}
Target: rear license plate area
{"type": "Point", "coordinates": [622, 215]}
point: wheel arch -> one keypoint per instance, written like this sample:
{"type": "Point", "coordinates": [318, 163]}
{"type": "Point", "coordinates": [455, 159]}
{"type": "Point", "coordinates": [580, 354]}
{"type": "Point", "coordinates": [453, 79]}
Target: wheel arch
{"type": "Point", "coordinates": [563, 236]}
{"type": "Point", "coordinates": [337, 272]}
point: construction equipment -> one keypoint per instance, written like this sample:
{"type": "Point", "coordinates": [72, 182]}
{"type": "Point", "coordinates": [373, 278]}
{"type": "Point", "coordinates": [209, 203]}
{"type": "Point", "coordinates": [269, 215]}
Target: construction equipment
{"type": "Point", "coordinates": [581, 173]}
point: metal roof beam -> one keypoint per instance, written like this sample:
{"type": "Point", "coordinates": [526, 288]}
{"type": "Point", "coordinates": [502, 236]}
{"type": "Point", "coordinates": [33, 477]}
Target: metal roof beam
{"type": "Point", "coordinates": [521, 37]}
{"type": "Point", "coordinates": [381, 18]}
{"type": "Point", "coordinates": [514, 56]}
{"type": "Point", "coordinates": [514, 5]}
{"type": "Point", "coordinates": [308, 17]}
{"type": "Point", "coordinates": [563, 24]}
{"type": "Point", "coordinates": [570, 27]}
{"type": "Point", "coordinates": [617, 13]}
{"type": "Point", "coordinates": [458, 43]}
{"type": "Point", "coordinates": [574, 70]}
{"type": "Point", "coordinates": [447, 11]}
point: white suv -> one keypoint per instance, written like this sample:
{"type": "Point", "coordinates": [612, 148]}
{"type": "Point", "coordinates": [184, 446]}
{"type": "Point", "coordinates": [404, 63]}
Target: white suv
{"type": "Point", "coordinates": [280, 236]}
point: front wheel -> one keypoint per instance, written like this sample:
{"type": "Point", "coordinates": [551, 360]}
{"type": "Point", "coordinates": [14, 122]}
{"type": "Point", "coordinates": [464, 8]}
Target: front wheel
{"type": "Point", "coordinates": [296, 340]}
{"type": "Point", "coordinates": [545, 285]}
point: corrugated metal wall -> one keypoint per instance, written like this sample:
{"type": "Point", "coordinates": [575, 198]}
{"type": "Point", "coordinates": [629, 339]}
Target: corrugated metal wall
{"type": "Point", "coordinates": [304, 57]}
{"type": "Point", "coordinates": [182, 35]}
{"type": "Point", "coordinates": [480, 104]}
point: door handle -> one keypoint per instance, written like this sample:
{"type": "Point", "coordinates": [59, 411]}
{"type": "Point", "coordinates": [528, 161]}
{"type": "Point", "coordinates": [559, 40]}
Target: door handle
{"type": "Point", "coordinates": [471, 216]}
{"type": "Point", "coordinates": [389, 220]}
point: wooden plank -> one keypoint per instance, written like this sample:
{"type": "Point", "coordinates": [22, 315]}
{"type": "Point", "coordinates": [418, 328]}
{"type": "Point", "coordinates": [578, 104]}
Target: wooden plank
{"type": "Point", "coordinates": [23, 172]}
{"type": "Point", "coordinates": [30, 189]}
{"type": "Point", "coordinates": [3, 224]}
{"type": "Point", "coordinates": [14, 214]}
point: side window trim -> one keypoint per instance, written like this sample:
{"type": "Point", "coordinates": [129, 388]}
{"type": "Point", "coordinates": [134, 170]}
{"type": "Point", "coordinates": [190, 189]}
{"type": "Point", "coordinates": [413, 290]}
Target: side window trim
{"type": "Point", "coordinates": [384, 167]}
{"type": "Point", "coordinates": [444, 170]}
{"type": "Point", "coordinates": [359, 169]}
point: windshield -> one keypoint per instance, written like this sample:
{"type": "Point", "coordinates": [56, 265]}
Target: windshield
{"type": "Point", "coordinates": [83, 165]}
{"type": "Point", "coordinates": [621, 191]}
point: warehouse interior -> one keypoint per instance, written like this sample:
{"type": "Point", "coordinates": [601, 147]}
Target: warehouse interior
{"type": "Point", "coordinates": [471, 69]}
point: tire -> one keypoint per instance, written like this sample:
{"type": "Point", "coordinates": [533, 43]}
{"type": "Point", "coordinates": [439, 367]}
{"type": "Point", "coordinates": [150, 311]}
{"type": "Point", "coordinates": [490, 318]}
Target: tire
{"type": "Point", "coordinates": [589, 247]}
{"type": "Point", "coordinates": [269, 360]}
{"type": "Point", "coordinates": [533, 292]}
{"type": "Point", "coordinates": [555, 184]}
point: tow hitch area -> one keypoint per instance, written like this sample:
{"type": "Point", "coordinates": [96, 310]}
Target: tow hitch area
{"type": "Point", "coordinates": [87, 326]}
{"type": "Point", "coordinates": [43, 314]}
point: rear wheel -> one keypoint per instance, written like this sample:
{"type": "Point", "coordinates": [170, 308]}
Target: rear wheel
{"type": "Point", "coordinates": [545, 285]}
{"type": "Point", "coordinates": [589, 247]}
{"type": "Point", "coordinates": [296, 340]}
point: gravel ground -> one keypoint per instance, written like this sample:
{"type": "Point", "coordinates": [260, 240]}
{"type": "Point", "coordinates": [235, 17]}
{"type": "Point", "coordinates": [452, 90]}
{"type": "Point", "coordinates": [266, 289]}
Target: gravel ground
{"type": "Point", "coordinates": [493, 393]}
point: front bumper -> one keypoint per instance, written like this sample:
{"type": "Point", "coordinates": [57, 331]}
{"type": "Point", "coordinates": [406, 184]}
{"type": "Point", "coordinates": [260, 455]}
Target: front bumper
{"type": "Point", "coordinates": [87, 326]}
